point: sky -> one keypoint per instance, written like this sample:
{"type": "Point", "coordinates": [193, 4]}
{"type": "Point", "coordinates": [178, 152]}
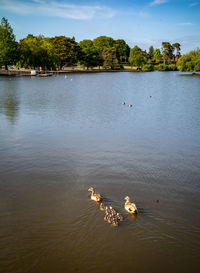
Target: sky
{"type": "Point", "coordinates": [138, 22]}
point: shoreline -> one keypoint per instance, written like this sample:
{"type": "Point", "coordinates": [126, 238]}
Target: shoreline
{"type": "Point", "coordinates": [46, 73]}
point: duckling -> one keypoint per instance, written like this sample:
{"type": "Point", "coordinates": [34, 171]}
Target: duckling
{"type": "Point", "coordinates": [102, 207]}
{"type": "Point", "coordinates": [109, 219]}
{"type": "Point", "coordinates": [119, 217]}
{"type": "Point", "coordinates": [130, 207]}
{"type": "Point", "coordinates": [114, 223]}
{"type": "Point", "coordinates": [112, 211]}
{"type": "Point", "coordinates": [108, 210]}
{"type": "Point", "coordinates": [95, 196]}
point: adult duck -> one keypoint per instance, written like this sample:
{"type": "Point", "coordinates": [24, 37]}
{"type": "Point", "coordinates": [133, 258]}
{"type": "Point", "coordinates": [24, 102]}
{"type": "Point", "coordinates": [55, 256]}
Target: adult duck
{"type": "Point", "coordinates": [130, 207]}
{"type": "Point", "coordinates": [94, 196]}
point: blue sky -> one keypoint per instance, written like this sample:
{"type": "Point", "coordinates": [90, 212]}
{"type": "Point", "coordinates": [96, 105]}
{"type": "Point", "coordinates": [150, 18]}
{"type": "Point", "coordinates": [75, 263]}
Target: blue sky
{"type": "Point", "coordinates": [138, 22]}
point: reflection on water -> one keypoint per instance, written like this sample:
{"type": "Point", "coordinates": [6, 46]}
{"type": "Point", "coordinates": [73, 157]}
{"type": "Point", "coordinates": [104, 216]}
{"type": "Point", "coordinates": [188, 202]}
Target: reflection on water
{"type": "Point", "coordinates": [59, 136]}
{"type": "Point", "coordinates": [9, 104]}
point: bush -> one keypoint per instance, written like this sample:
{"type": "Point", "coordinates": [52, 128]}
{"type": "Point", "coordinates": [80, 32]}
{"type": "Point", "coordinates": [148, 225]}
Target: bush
{"type": "Point", "coordinates": [172, 67]}
{"type": "Point", "coordinates": [165, 67]}
{"type": "Point", "coordinates": [160, 67]}
{"type": "Point", "coordinates": [189, 62]}
{"type": "Point", "coordinates": [147, 67]}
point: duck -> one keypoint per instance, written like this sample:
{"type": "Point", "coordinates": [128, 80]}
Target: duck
{"type": "Point", "coordinates": [130, 207]}
{"type": "Point", "coordinates": [130, 105]}
{"type": "Point", "coordinates": [95, 196]}
{"type": "Point", "coordinates": [123, 103]}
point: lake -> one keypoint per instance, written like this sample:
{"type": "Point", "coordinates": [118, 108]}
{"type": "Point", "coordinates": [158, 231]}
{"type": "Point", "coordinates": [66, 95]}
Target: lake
{"type": "Point", "coordinates": [60, 135]}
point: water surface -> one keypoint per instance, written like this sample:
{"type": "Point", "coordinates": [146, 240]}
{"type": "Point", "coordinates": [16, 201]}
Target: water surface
{"type": "Point", "coordinates": [60, 135]}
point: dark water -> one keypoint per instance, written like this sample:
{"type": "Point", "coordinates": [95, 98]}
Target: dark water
{"type": "Point", "coordinates": [60, 135]}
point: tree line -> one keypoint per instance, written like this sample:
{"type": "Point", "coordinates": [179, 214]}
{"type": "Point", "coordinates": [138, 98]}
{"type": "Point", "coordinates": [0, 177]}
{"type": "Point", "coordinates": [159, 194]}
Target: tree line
{"type": "Point", "coordinates": [59, 51]}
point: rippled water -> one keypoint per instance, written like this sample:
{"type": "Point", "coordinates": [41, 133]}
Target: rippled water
{"type": "Point", "coordinates": [60, 135]}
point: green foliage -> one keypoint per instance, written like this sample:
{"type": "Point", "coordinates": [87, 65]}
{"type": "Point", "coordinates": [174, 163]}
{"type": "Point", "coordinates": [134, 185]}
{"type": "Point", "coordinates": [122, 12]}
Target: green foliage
{"type": "Point", "coordinates": [90, 55]}
{"type": "Point", "coordinates": [67, 50]}
{"type": "Point", "coordinates": [150, 53]}
{"type": "Point", "coordinates": [37, 51]}
{"type": "Point", "coordinates": [103, 42]}
{"type": "Point", "coordinates": [172, 67]}
{"type": "Point", "coordinates": [122, 50]}
{"type": "Point", "coordinates": [147, 67]}
{"type": "Point", "coordinates": [137, 57]}
{"type": "Point", "coordinates": [8, 45]}
{"type": "Point", "coordinates": [59, 51]}
{"type": "Point", "coordinates": [165, 67]}
{"type": "Point", "coordinates": [157, 56]}
{"type": "Point", "coordinates": [177, 46]}
{"type": "Point", "coordinates": [110, 59]}
{"type": "Point", "coordinates": [167, 51]}
{"type": "Point", "coordinates": [189, 62]}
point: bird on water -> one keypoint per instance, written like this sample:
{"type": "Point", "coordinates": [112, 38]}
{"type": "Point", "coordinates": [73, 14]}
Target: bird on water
{"type": "Point", "coordinates": [130, 207]}
{"type": "Point", "coordinates": [95, 196]}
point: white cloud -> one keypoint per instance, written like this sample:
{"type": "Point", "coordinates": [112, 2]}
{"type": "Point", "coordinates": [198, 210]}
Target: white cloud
{"type": "Point", "coordinates": [185, 24]}
{"type": "Point", "coordinates": [56, 9]}
{"type": "Point", "coordinates": [193, 4]}
{"type": "Point", "coordinates": [158, 2]}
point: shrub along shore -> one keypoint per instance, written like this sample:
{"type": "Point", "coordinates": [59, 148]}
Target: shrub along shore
{"type": "Point", "coordinates": [101, 54]}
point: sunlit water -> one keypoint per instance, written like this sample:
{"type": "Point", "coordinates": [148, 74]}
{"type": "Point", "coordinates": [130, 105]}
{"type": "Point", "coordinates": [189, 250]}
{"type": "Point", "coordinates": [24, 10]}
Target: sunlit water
{"type": "Point", "coordinates": [60, 135]}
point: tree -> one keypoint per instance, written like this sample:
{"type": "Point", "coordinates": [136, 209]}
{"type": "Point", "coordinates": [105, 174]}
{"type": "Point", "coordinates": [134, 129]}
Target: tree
{"type": "Point", "coordinates": [177, 46]}
{"type": "Point", "coordinates": [189, 62]}
{"type": "Point", "coordinates": [37, 51]}
{"type": "Point", "coordinates": [151, 50]}
{"type": "Point", "coordinates": [8, 45]}
{"type": "Point", "coordinates": [110, 59]}
{"type": "Point", "coordinates": [90, 55]}
{"type": "Point", "coordinates": [157, 56]}
{"type": "Point", "coordinates": [122, 50]}
{"type": "Point", "coordinates": [103, 42]}
{"type": "Point", "coordinates": [137, 57]}
{"type": "Point", "coordinates": [67, 50]}
{"type": "Point", "coordinates": [167, 51]}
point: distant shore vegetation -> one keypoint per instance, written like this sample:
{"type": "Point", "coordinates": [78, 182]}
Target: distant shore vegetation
{"type": "Point", "coordinates": [55, 53]}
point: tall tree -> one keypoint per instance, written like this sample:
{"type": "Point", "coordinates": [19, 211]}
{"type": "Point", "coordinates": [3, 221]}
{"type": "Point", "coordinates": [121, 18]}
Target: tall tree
{"type": "Point", "coordinates": [103, 42]}
{"type": "Point", "coordinates": [167, 51]}
{"type": "Point", "coordinates": [67, 50]}
{"type": "Point", "coordinates": [157, 56]}
{"type": "Point", "coordinates": [90, 55]}
{"type": "Point", "coordinates": [37, 51]}
{"type": "Point", "coordinates": [122, 50]}
{"type": "Point", "coordinates": [8, 45]}
{"type": "Point", "coordinates": [150, 53]}
{"type": "Point", "coordinates": [137, 57]}
{"type": "Point", "coordinates": [177, 46]}
{"type": "Point", "coordinates": [110, 59]}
